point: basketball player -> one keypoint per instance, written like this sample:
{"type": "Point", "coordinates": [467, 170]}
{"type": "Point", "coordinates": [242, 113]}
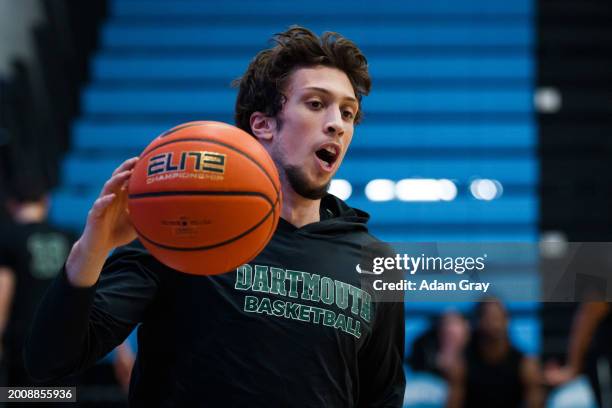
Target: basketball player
{"type": "Point", "coordinates": [32, 252]}
{"type": "Point", "coordinates": [293, 328]}
{"type": "Point", "coordinates": [589, 351]}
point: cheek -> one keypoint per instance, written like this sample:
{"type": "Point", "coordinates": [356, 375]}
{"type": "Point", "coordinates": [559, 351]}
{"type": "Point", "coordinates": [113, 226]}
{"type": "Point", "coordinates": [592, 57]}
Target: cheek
{"type": "Point", "coordinates": [291, 144]}
{"type": "Point", "coordinates": [290, 150]}
{"type": "Point", "coordinates": [349, 132]}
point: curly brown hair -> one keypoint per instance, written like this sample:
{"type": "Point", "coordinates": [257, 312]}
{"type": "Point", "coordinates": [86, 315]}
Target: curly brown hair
{"type": "Point", "coordinates": [262, 85]}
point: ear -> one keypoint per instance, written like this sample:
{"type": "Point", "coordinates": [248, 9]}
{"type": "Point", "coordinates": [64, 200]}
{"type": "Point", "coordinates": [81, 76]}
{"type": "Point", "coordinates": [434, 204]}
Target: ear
{"type": "Point", "coordinates": [262, 126]}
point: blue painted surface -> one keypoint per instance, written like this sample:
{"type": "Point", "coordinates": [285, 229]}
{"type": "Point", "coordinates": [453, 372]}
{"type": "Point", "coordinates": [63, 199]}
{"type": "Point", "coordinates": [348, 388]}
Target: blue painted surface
{"type": "Point", "coordinates": [462, 169]}
{"type": "Point", "coordinates": [575, 394]}
{"type": "Point", "coordinates": [202, 66]}
{"type": "Point", "coordinates": [467, 234]}
{"type": "Point", "coordinates": [415, 327]}
{"type": "Point", "coordinates": [163, 8]}
{"type": "Point", "coordinates": [453, 34]}
{"type": "Point", "coordinates": [424, 390]}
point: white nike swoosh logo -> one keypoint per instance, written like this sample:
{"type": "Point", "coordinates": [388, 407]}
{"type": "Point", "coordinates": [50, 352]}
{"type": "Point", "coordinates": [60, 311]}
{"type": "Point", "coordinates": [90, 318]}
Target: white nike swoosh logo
{"type": "Point", "coordinates": [359, 270]}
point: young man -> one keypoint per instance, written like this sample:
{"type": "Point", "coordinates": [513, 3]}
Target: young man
{"type": "Point", "coordinates": [291, 328]}
{"type": "Point", "coordinates": [495, 373]}
{"type": "Point", "coordinates": [32, 253]}
{"type": "Point", "coordinates": [589, 351]}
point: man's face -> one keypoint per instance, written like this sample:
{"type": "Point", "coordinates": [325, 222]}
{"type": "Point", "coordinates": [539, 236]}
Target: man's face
{"type": "Point", "coordinates": [493, 321]}
{"type": "Point", "coordinates": [314, 129]}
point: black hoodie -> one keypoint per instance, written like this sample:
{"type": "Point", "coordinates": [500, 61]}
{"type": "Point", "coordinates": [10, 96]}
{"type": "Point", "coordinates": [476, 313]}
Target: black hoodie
{"type": "Point", "coordinates": [292, 328]}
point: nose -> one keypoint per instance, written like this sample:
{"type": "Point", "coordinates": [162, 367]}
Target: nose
{"type": "Point", "coordinates": [334, 125]}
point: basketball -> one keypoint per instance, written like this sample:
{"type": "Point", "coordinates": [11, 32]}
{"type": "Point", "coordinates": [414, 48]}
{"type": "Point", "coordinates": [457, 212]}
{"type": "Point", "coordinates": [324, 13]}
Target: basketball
{"type": "Point", "coordinates": [204, 198]}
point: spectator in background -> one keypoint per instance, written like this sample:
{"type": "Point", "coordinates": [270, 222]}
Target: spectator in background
{"type": "Point", "coordinates": [495, 373]}
{"type": "Point", "coordinates": [32, 253]}
{"type": "Point", "coordinates": [7, 286]}
{"type": "Point", "coordinates": [440, 351]}
{"type": "Point", "coordinates": [589, 352]}
{"type": "Point", "coordinates": [440, 348]}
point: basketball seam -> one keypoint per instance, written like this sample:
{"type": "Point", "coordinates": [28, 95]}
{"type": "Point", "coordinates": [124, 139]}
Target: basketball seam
{"type": "Point", "coordinates": [139, 196]}
{"type": "Point", "coordinates": [207, 247]}
{"type": "Point", "coordinates": [270, 232]}
{"type": "Point", "coordinates": [176, 129]}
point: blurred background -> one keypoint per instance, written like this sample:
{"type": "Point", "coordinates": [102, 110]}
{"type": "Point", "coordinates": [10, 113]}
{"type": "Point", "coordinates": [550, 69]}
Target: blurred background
{"type": "Point", "coordinates": [489, 120]}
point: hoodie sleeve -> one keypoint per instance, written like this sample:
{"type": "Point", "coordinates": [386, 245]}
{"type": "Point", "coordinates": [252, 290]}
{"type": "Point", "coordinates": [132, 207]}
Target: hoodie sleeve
{"type": "Point", "coordinates": [74, 327]}
{"type": "Point", "coordinates": [381, 371]}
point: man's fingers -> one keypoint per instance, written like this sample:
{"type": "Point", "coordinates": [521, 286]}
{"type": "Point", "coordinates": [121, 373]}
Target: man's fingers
{"type": "Point", "coordinates": [115, 183]}
{"type": "Point", "coordinates": [125, 184]}
{"type": "Point", "coordinates": [101, 204]}
{"type": "Point", "coordinates": [126, 165]}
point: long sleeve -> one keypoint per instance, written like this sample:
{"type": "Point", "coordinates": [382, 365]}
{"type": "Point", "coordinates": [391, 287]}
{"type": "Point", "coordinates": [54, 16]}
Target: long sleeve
{"type": "Point", "coordinates": [381, 370]}
{"type": "Point", "coordinates": [74, 327]}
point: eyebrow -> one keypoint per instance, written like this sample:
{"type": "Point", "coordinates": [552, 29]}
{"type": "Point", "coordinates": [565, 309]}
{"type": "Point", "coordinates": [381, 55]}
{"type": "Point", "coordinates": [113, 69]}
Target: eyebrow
{"type": "Point", "coordinates": [325, 91]}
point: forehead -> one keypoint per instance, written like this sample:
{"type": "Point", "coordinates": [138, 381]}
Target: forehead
{"type": "Point", "coordinates": [452, 318]}
{"type": "Point", "coordinates": [332, 80]}
{"type": "Point", "coordinates": [492, 308]}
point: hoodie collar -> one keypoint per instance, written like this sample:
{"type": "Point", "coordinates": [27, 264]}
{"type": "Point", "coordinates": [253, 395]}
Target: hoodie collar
{"type": "Point", "coordinates": [336, 218]}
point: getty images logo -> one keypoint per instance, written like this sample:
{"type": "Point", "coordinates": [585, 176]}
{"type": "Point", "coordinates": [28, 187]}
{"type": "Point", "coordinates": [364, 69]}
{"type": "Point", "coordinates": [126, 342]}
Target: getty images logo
{"type": "Point", "coordinates": [412, 264]}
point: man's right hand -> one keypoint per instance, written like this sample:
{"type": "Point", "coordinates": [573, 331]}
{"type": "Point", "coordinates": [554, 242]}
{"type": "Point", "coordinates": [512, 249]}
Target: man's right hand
{"type": "Point", "coordinates": [555, 375]}
{"type": "Point", "coordinates": [108, 226]}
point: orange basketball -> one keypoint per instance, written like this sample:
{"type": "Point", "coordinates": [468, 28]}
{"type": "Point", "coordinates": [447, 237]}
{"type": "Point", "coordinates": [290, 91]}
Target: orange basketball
{"type": "Point", "coordinates": [204, 198]}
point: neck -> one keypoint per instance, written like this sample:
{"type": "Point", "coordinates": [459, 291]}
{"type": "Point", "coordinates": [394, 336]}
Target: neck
{"type": "Point", "coordinates": [494, 349]}
{"type": "Point", "coordinates": [298, 210]}
{"type": "Point", "coordinates": [30, 213]}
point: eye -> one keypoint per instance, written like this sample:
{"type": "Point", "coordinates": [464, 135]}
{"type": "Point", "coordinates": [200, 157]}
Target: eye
{"type": "Point", "coordinates": [348, 115]}
{"type": "Point", "coordinates": [315, 104]}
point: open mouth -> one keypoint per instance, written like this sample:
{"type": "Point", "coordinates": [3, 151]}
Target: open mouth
{"type": "Point", "coordinates": [328, 155]}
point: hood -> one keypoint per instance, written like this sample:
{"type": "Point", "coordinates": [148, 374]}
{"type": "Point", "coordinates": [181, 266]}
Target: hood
{"type": "Point", "coordinates": [336, 218]}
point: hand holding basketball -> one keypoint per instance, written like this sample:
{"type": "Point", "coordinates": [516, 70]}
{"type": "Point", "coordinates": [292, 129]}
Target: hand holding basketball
{"type": "Point", "coordinates": [108, 224]}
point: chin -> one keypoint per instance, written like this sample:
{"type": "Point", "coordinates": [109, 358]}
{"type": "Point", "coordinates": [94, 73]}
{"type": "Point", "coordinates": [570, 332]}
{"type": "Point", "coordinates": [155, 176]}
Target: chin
{"type": "Point", "coordinates": [313, 191]}
{"type": "Point", "coordinates": [304, 184]}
